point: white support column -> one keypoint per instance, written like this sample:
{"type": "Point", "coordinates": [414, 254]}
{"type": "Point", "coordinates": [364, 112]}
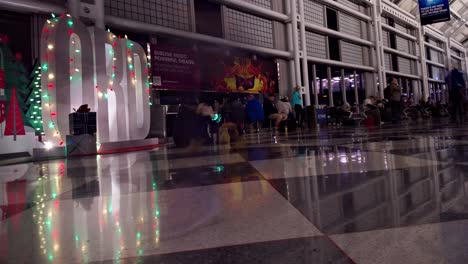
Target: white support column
{"type": "Point", "coordinates": [305, 68]}
{"type": "Point", "coordinates": [193, 23]}
{"type": "Point", "coordinates": [330, 87]}
{"type": "Point", "coordinates": [314, 84]}
{"type": "Point", "coordinates": [74, 7]}
{"type": "Point", "coordinates": [99, 14]}
{"type": "Point", "coordinates": [296, 56]}
{"type": "Point", "coordinates": [423, 73]}
{"type": "Point", "coordinates": [418, 90]}
{"type": "Point", "coordinates": [449, 56]}
{"type": "Point", "coordinates": [356, 92]}
{"type": "Point", "coordinates": [291, 48]}
{"type": "Point", "coordinates": [465, 54]}
{"type": "Point", "coordinates": [343, 86]}
{"type": "Point", "coordinates": [376, 14]}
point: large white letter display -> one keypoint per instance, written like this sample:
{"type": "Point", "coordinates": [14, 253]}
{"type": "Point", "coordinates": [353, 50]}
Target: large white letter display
{"type": "Point", "coordinates": [90, 66]}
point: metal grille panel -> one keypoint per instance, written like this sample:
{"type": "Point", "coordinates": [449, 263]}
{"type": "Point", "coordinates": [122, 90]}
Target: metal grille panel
{"type": "Point", "coordinates": [385, 41]}
{"type": "Point", "coordinates": [262, 3]}
{"type": "Point", "coordinates": [404, 65]}
{"type": "Point", "coordinates": [167, 13]}
{"type": "Point", "coordinates": [401, 28]}
{"type": "Point", "coordinates": [437, 73]}
{"type": "Point", "coordinates": [349, 25]}
{"type": "Point", "coordinates": [314, 12]}
{"type": "Point", "coordinates": [316, 45]}
{"type": "Point", "coordinates": [349, 4]}
{"type": "Point", "coordinates": [388, 64]}
{"type": "Point", "coordinates": [403, 45]}
{"type": "Point", "coordinates": [351, 53]}
{"type": "Point", "coordinates": [248, 29]}
{"type": "Point", "coordinates": [456, 63]}
{"type": "Point", "coordinates": [436, 56]}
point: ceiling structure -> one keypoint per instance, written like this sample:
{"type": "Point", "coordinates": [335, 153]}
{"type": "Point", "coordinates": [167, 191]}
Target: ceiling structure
{"type": "Point", "coordinates": [456, 28]}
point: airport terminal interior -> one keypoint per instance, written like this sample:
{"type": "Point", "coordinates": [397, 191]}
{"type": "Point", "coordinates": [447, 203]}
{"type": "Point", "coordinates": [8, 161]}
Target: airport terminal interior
{"type": "Point", "coordinates": [234, 131]}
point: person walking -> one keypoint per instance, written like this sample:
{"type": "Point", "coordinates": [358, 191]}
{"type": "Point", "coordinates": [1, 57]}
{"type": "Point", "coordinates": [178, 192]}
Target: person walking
{"type": "Point", "coordinates": [456, 83]}
{"type": "Point", "coordinates": [395, 99]}
{"type": "Point", "coordinates": [296, 102]}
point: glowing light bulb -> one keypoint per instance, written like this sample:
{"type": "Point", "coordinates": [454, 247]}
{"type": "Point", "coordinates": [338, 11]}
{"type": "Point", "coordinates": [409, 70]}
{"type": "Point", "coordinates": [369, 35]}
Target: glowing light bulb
{"type": "Point", "coordinates": [48, 145]}
{"type": "Point", "coordinates": [51, 76]}
{"type": "Point", "coordinates": [50, 47]}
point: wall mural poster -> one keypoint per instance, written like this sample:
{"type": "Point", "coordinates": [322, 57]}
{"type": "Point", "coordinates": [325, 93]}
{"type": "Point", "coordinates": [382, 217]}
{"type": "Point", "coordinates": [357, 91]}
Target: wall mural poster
{"type": "Point", "coordinates": [434, 11]}
{"type": "Point", "coordinates": [243, 74]}
{"type": "Point", "coordinates": [174, 68]}
{"type": "Point", "coordinates": [184, 69]}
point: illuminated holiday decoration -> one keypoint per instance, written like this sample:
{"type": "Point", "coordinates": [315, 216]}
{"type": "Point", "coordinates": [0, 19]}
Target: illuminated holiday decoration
{"type": "Point", "coordinates": [13, 90]}
{"type": "Point", "coordinates": [14, 121]}
{"type": "Point", "coordinates": [34, 100]}
{"type": "Point", "coordinates": [99, 69]}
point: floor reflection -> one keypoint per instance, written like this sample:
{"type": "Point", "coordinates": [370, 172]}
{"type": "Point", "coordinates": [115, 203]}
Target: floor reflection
{"type": "Point", "coordinates": [270, 200]}
{"type": "Point", "coordinates": [352, 202]}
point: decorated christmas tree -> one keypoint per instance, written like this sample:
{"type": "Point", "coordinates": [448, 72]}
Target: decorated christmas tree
{"type": "Point", "coordinates": [15, 81]}
{"type": "Point", "coordinates": [14, 121]}
{"type": "Point", "coordinates": [33, 102]}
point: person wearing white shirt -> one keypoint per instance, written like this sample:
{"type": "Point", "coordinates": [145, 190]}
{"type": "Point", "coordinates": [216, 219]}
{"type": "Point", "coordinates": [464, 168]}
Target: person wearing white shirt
{"type": "Point", "coordinates": [284, 107]}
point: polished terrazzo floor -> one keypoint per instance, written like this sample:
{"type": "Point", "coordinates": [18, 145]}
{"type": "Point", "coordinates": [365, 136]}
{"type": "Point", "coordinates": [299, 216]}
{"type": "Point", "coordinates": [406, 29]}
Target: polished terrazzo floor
{"type": "Point", "coordinates": [396, 194]}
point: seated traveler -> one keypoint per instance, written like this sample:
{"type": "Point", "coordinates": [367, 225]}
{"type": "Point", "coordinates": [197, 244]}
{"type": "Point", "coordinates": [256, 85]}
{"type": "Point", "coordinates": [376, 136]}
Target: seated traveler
{"type": "Point", "coordinates": [371, 109]}
{"type": "Point", "coordinates": [254, 110]}
{"type": "Point", "coordinates": [271, 112]}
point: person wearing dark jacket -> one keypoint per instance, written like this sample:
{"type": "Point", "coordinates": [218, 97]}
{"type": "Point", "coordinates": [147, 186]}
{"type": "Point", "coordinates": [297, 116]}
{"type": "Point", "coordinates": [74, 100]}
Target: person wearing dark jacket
{"type": "Point", "coordinates": [456, 84]}
{"type": "Point", "coordinates": [271, 112]}
{"type": "Point", "coordinates": [395, 99]}
{"type": "Point", "coordinates": [235, 113]}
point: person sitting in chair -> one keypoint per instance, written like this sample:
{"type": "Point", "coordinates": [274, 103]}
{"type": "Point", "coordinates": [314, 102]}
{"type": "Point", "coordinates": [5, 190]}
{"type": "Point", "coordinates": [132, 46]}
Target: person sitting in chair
{"type": "Point", "coordinates": [371, 109]}
{"type": "Point", "coordinates": [271, 112]}
{"type": "Point", "coordinates": [254, 110]}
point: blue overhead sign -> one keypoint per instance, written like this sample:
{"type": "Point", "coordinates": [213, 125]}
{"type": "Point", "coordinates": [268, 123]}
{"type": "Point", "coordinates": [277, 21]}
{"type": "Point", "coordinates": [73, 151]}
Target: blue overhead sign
{"type": "Point", "coordinates": [434, 11]}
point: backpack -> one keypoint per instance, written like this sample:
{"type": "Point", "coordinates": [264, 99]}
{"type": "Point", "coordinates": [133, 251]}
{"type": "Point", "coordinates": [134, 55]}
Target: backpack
{"type": "Point", "coordinates": [388, 93]}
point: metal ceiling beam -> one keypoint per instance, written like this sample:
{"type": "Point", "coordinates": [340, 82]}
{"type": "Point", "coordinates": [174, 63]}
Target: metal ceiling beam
{"type": "Point", "coordinates": [450, 24]}
{"type": "Point", "coordinates": [34, 6]}
{"type": "Point", "coordinates": [464, 24]}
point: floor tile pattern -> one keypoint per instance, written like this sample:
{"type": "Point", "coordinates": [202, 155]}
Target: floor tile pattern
{"type": "Point", "coordinates": [396, 194]}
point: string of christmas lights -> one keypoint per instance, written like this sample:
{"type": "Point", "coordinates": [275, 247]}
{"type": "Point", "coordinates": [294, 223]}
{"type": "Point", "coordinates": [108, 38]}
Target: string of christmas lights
{"type": "Point", "coordinates": [49, 77]}
{"type": "Point", "coordinates": [49, 31]}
